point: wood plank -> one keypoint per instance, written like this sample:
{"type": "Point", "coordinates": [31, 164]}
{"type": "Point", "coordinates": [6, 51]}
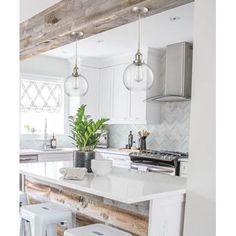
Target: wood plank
{"type": "Point", "coordinates": [52, 27]}
{"type": "Point", "coordinates": [89, 208]}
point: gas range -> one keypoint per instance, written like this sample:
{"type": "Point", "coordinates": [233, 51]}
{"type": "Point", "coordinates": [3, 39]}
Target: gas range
{"type": "Point", "coordinates": [157, 161]}
{"type": "Point", "coordinates": [160, 155]}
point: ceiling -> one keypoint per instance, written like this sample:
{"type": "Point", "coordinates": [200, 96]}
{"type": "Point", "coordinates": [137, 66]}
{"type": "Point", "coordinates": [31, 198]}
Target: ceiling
{"type": "Point", "coordinates": [157, 32]}
{"type": "Point", "coordinates": [29, 8]}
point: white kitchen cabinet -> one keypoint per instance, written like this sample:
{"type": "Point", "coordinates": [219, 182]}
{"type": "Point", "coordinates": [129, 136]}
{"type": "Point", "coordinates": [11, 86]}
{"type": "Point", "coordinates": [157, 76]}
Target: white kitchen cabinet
{"type": "Point", "coordinates": [91, 99]}
{"type": "Point", "coordinates": [120, 97]}
{"type": "Point", "coordinates": [105, 88]}
{"type": "Point", "coordinates": [131, 107]}
{"type": "Point", "coordinates": [107, 97]}
{"type": "Point", "coordinates": [183, 168]}
{"type": "Point", "coordinates": [46, 157]}
{"type": "Point", "coordinates": [118, 160]}
{"type": "Point", "coordinates": [121, 105]}
{"type": "Point", "coordinates": [128, 107]}
{"type": "Point", "coordinates": [138, 107]}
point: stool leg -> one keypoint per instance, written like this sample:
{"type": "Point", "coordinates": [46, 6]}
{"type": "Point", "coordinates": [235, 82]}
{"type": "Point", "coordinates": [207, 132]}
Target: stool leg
{"type": "Point", "coordinates": [21, 227]}
{"type": "Point", "coordinates": [27, 228]}
{"type": "Point", "coordinates": [52, 230]}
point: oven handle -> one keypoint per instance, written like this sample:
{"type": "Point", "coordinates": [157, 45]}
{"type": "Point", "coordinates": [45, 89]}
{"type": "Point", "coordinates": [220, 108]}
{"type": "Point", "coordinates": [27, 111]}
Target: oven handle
{"type": "Point", "coordinates": [161, 170]}
{"type": "Point", "coordinates": [152, 169]}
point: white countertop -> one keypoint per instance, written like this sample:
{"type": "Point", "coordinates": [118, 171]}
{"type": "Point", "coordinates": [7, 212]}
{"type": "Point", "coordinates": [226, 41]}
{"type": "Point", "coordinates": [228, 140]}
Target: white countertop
{"type": "Point", "coordinates": [127, 186]}
{"type": "Point", "coordinates": [64, 150]}
{"type": "Point", "coordinates": [118, 151]}
{"type": "Point", "coordinates": [52, 151]}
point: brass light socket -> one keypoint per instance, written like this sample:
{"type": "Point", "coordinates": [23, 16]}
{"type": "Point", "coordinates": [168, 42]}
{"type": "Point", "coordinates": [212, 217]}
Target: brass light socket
{"type": "Point", "coordinates": [138, 59]}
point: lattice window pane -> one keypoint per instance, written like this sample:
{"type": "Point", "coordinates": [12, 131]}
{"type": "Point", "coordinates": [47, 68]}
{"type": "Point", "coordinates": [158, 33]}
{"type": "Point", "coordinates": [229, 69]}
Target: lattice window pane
{"type": "Point", "coordinates": [41, 96]}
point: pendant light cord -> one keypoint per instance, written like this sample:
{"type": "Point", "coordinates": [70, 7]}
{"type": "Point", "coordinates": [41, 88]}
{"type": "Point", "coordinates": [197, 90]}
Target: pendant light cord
{"type": "Point", "coordinates": [76, 50]}
{"type": "Point", "coordinates": [139, 30]}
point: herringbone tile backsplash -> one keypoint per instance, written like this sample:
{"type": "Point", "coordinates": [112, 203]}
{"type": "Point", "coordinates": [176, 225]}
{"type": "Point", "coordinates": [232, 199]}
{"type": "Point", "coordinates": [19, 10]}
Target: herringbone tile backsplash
{"type": "Point", "coordinates": [172, 133]}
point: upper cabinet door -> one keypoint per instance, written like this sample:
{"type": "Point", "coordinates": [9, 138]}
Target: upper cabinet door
{"type": "Point", "coordinates": [91, 99]}
{"type": "Point", "coordinates": [105, 87]}
{"type": "Point", "coordinates": [121, 103]}
{"type": "Point", "coordinates": [138, 107]}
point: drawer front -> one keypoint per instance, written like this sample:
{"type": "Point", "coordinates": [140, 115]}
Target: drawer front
{"type": "Point", "coordinates": [55, 157]}
{"type": "Point", "coordinates": [117, 160]}
{"type": "Point", "coordinates": [28, 158]}
{"type": "Point", "coordinates": [120, 163]}
{"type": "Point", "coordinates": [183, 168]}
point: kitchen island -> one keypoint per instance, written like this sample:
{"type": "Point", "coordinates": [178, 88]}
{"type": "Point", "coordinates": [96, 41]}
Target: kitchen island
{"type": "Point", "coordinates": [138, 202]}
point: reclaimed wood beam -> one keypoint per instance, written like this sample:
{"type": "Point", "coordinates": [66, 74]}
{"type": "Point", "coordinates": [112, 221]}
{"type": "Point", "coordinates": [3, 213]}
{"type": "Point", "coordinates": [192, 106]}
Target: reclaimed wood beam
{"type": "Point", "coordinates": [91, 209]}
{"type": "Point", "coordinates": [52, 27]}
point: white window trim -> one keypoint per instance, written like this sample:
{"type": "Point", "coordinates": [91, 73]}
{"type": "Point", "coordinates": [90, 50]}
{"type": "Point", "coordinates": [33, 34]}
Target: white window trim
{"type": "Point", "coordinates": [49, 78]}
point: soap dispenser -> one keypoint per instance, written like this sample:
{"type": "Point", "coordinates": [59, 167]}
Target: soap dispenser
{"type": "Point", "coordinates": [53, 142]}
{"type": "Point", "coordinates": [130, 139]}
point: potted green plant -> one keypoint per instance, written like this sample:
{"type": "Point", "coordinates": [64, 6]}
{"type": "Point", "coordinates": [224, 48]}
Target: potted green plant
{"type": "Point", "coordinates": [85, 134]}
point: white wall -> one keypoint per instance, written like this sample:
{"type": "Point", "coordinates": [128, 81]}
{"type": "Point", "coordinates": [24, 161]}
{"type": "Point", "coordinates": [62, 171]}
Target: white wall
{"type": "Point", "coordinates": [200, 203]}
{"type": "Point", "coordinates": [45, 65]}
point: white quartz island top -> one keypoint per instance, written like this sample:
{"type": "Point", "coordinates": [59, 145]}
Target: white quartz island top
{"type": "Point", "coordinates": [127, 186]}
{"type": "Point", "coordinates": [65, 150]}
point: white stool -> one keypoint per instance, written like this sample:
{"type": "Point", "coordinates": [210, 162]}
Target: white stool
{"type": "Point", "coordinates": [95, 230]}
{"type": "Point", "coordinates": [24, 226]}
{"type": "Point", "coordinates": [43, 217]}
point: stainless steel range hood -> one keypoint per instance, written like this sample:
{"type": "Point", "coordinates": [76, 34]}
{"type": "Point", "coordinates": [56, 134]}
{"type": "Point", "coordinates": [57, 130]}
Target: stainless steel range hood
{"type": "Point", "coordinates": [178, 74]}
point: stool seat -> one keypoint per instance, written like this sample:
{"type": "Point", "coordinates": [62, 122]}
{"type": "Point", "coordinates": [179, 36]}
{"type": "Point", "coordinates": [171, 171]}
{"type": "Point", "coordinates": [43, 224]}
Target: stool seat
{"type": "Point", "coordinates": [95, 230]}
{"type": "Point", "coordinates": [45, 212]}
{"type": "Point", "coordinates": [44, 217]}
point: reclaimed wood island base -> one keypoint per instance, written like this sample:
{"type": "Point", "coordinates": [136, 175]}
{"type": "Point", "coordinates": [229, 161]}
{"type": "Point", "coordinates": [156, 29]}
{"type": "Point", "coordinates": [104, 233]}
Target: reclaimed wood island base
{"type": "Point", "coordinates": [139, 203]}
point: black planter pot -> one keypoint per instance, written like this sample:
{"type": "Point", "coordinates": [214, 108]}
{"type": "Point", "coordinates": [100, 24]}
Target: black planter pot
{"type": "Point", "coordinates": [83, 159]}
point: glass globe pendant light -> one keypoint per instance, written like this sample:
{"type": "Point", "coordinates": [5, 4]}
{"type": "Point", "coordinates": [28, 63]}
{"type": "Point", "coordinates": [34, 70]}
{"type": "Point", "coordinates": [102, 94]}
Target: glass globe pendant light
{"type": "Point", "coordinates": [138, 76]}
{"type": "Point", "coordinates": [76, 84]}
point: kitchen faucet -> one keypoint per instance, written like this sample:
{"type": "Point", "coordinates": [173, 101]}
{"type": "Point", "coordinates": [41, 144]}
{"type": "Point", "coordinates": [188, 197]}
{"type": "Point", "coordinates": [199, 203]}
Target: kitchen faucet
{"type": "Point", "coordinates": [45, 145]}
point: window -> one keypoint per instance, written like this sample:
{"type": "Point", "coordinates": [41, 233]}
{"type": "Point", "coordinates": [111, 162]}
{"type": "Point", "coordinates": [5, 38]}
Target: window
{"type": "Point", "coordinates": [41, 98]}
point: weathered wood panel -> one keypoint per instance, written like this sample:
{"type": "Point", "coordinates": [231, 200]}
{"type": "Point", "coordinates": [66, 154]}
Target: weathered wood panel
{"type": "Point", "coordinates": [52, 27]}
{"type": "Point", "coordinates": [92, 209]}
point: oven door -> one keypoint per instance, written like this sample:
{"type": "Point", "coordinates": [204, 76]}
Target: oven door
{"type": "Point", "coordinates": [153, 168]}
